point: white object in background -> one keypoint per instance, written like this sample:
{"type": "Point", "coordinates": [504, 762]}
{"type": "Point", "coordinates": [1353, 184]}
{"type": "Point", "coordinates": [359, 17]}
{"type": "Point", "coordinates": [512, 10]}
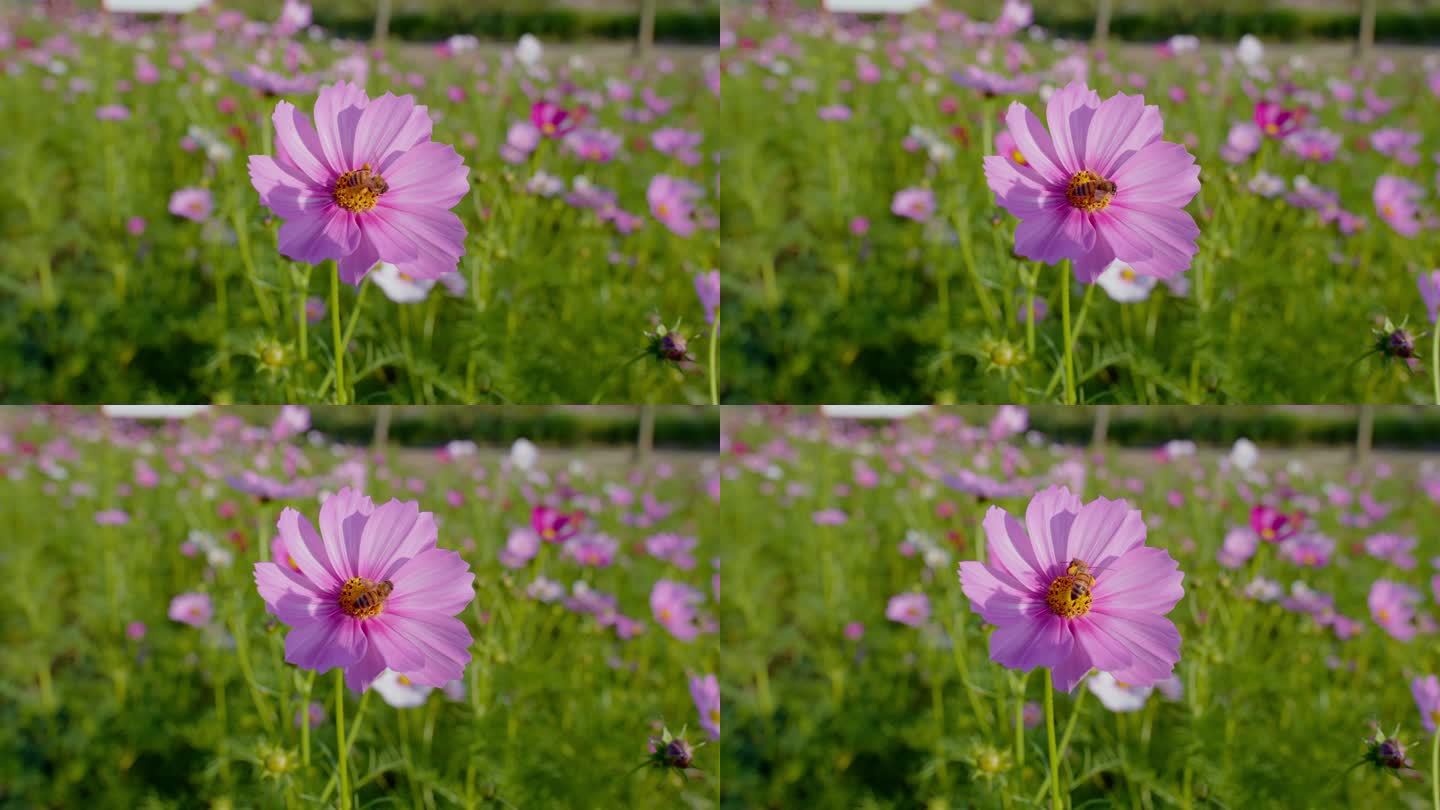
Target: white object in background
{"type": "Point", "coordinates": [874, 6]}
{"type": "Point", "coordinates": [872, 411]}
{"type": "Point", "coordinates": [153, 6]}
{"type": "Point", "coordinates": [524, 454]}
{"type": "Point", "coordinates": [529, 51]}
{"type": "Point", "coordinates": [152, 411]}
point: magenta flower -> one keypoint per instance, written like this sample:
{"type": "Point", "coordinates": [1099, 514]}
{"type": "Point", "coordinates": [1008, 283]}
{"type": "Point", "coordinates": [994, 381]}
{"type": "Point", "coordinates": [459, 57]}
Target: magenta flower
{"type": "Point", "coordinates": [1397, 202]}
{"type": "Point", "coordinates": [911, 609]}
{"type": "Point", "coordinates": [1427, 698]}
{"type": "Point", "coordinates": [1076, 588]}
{"type": "Point", "coordinates": [112, 112]}
{"type": "Point", "coordinates": [135, 226]}
{"type": "Point", "coordinates": [1320, 145]}
{"type": "Point", "coordinates": [193, 609]}
{"type": "Point", "coordinates": [373, 592]}
{"type": "Point", "coordinates": [1100, 185]}
{"type": "Point", "coordinates": [112, 517]}
{"type": "Point", "coordinates": [594, 145]}
{"type": "Point", "coordinates": [193, 204]}
{"type": "Point", "coordinates": [1270, 524]}
{"type": "Point", "coordinates": [551, 119]}
{"type": "Point", "coordinates": [705, 691]}
{"type": "Point", "coordinates": [364, 185]}
{"type": "Point", "coordinates": [554, 526]}
{"type": "Point", "coordinates": [1397, 143]}
{"type": "Point", "coordinates": [135, 631]}
{"type": "Point", "coordinates": [913, 203]}
{"type": "Point", "coordinates": [1276, 121]}
{"type": "Point", "coordinates": [1392, 606]}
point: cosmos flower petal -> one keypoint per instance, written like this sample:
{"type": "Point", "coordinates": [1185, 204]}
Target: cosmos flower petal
{"type": "Point", "coordinates": [380, 122]}
{"type": "Point", "coordinates": [428, 174]}
{"type": "Point", "coordinates": [1152, 640]}
{"type": "Point", "coordinates": [399, 652]}
{"type": "Point", "coordinates": [1069, 670]}
{"type": "Point", "coordinates": [415, 132]}
{"type": "Point", "coordinates": [329, 641]}
{"type": "Point", "coordinates": [395, 532]}
{"type": "Point", "coordinates": [994, 594]}
{"type": "Point", "coordinates": [1056, 233]}
{"type": "Point", "coordinates": [444, 639]}
{"type": "Point", "coordinates": [1104, 530]}
{"type": "Point", "coordinates": [1042, 641]}
{"type": "Point", "coordinates": [295, 135]}
{"type": "Point", "coordinates": [1012, 553]}
{"type": "Point", "coordinates": [439, 236]}
{"type": "Point", "coordinates": [1161, 173]}
{"type": "Point", "coordinates": [1144, 578]}
{"type": "Point", "coordinates": [359, 675]}
{"type": "Point", "coordinates": [1069, 114]}
{"type": "Point", "coordinates": [392, 244]}
{"type": "Point", "coordinates": [1089, 266]}
{"type": "Point", "coordinates": [436, 579]}
{"type": "Point", "coordinates": [284, 189]}
{"type": "Point", "coordinates": [288, 596]}
{"type": "Point", "coordinates": [1034, 143]}
{"type": "Point", "coordinates": [312, 239]}
{"type": "Point", "coordinates": [342, 523]}
{"type": "Point", "coordinates": [338, 108]}
{"type": "Point", "coordinates": [1047, 520]}
{"type": "Point", "coordinates": [1019, 190]}
{"type": "Point", "coordinates": [1121, 239]}
{"type": "Point", "coordinates": [353, 266]}
{"type": "Point", "coordinates": [1171, 234]}
{"type": "Point", "coordinates": [308, 550]}
{"type": "Point", "coordinates": [1121, 127]}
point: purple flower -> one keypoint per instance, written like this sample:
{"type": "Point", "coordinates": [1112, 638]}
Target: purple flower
{"type": "Point", "coordinates": [520, 141]}
{"type": "Point", "coordinates": [1397, 202]}
{"type": "Point", "coordinates": [520, 548]}
{"type": "Point", "coordinates": [365, 184]}
{"type": "Point", "coordinates": [193, 204]}
{"type": "Point", "coordinates": [705, 691]}
{"type": "Point", "coordinates": [908, 608]}
{"type": "Point", "coordinates": [552, 120]}
{"type": "Point", "coordinates": [112, 517]}
{"type": "Point", "coordinates": [135, 631]}
{"type": "Point", "coordinates": [1239, 546]}
{"type": "Point", "coordinates": [1100, 185]}
{"type": "Point", "coordinates": [112, 112]}
{"type": "Point", "coordinates": [593, 550]}
{"type": "Point", "coordinates": [1427, 699]}
{"type": "Point", "coordinates": [674, 606]}
{"type": "Point", "coordinates": [373, 592]}
{"type": "Point", "coordinates": [913, 203]}
{"type": "Point", "coordinates": [672, 201]}
{"type": "Point", "coordinates": [829, 517]}
{"type": "Point", "coordinates": [1430, 293]}
{"type": "Point", "coordinates": [594, 145]}
{"type": "Point", "coordinates": [707, 289]}
{"type": "Point", "coordinates": [835, 112]}
{"type": "Point", "coordinates": [1392, 606]}
{"type": "Point", "coordinates": [673, 548]}
{"type": "Point", "coordinates": [193, 609]}
{"type": "Point", "coordinates": [1320, 145]}
{"type": "Point", "coordinates": [681, 144]}
{"type": "Point", "coordinates": [1242, 142]}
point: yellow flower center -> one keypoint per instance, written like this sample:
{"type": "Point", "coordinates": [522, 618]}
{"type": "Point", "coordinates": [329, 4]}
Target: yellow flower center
{"type": "Point", "coordinates": [1017, 157]}
{"type": "Point", "coordinates": [1387, 210]}
{"type": "Point", "coordinates": [1069, 596]}
{"type": "Point", "coordinates": [363, 598]}
{"type": "Point", "coordinates": [1090, 192]}
{"type": "Point", "coordinates": [1268, 534]}
{"type": "Point", "coordinates": [548, 129]}
{"type": "Point", "coordinates": [1272, 129]}
{"type": "Point", "coordinates": [359, 190]}
{"type": "Point", "coordinates": [1127, 274]}
{"type": "Point", "coordinates": [404, 681]}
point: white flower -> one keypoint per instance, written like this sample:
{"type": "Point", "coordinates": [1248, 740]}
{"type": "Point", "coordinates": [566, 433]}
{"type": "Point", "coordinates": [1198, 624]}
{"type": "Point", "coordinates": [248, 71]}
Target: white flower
{"type": "Point", "coordinates": [1184, 43]}
{"type": "Point", "coordinates": [403, 289]}
{"type": "Point", "coordinates": [1249, 51]}
{"type": "Point", "coordinates": [524, 454]}
{"type": "Point", "coordinates": [1268, 185]}
{"type": "Point", "coordinates": [1244, 454]}
{"type": "Point", "coordinates": [529, 51]}
{"type": "Point", "coordinates": [1117, 696]}
{"type": "Point", "coordinates": [1179, 448]}
{"type": "Point", "coordinates": [461, 448]}
{"type": "Point", "coordinates": [399, 691]}
{"type": "Point", "coordinates": [1123, 284]}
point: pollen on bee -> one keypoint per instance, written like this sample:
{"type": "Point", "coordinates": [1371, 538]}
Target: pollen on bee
{"type": "Point", "coordinates": [1066, 600]}
{"type": "Point", "coordinates": [1089, 192]}
{"type": "Point", "coordinates": [359, 190]}
{"type": "Point", "coordinates": [364, 598]}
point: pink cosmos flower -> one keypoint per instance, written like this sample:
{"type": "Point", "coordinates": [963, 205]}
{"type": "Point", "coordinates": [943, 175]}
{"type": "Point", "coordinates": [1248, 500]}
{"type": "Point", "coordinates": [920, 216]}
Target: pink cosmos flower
{"type": "Point", "coordinates": [913, 203]}
{"type": "Point", "coordinates": [1392, 606]}
{"type": "Point", "coordinates": [911, 609]}
{"type": "Point", "coordinates": [193, 204]}
{"type": "Point", "coordinates": [1270, 524]}
{"type": "Point", "coordinates": [112, 517]}
{"type": "Point", "coordinates": [554, 526]}
{"type": "Point", "coordinates": [193, 609]}
{"type": "Point", "coordinates": [672, 201]}
{"type": "Point", "coordinates": [365, 184]}
{"type": "Point", "coordinates": [135, 226]}
{"type": "Point", "coordinates": [707, 289]}
{"type": "Point", "coordinates": [674, 607]}
{"type": "Point", "coordinates": [135, 631]}
{"type": "Point", "coordinates": [705, 691]}
{"type": "Point", "coordinates": [551, 119]}
{"type": "Point", "coordinates": [1036, 590]}
{"type": "Point", "coordinates": [1396, 201]}
{"type": "Point", "coordinates": [373, 591]}
{"type": "Point", "coordinates": [1320, 145]}
{"type": "Point", "coordinates": [1238, 547]}
{"type": "Point", "coordinates": [1242, 142]}
{"type": "Point", "coordinates": [112, 112]}
{"type": "Point", "coordinates": [1100, 185]}
{"type": "Point", "coordinates": [1427, 699]}
{"type": "Point", "coordinates": [520, 548]}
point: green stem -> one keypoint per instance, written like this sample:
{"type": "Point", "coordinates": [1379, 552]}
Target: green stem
{"type": "Point", "coordinates": [1435, 768]}
{"type": "Point", "coordinates": [1065, 328]}
{"type": "Point", "coordinates": [1055, 802]}
{"type": "Point", "coordinates": [1435, 374]}
{"type": "Point", "coordinates": [305, 719]}
{"type": "Point", "coordinates": [1020, 721]}
{"type": "Point", "coordinates": [1064, 738]}
{"type": "Point", "coordinates": [335, 333]}
{"type": "Point", "coordinates": [342, 751]}
{"type": "Point", "coordinates": [715, 375]}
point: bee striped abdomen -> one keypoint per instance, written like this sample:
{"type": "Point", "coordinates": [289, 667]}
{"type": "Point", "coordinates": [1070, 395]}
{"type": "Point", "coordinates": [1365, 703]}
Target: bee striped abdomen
{"type": "Point", "coordinates": [363, 598]}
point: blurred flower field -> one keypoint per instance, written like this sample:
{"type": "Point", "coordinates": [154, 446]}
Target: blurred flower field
{"type": "Point", "coordinates": [898, 228]}
{"type": "Point", "coordinates": [166, 242]}
{"type": "Point", "coordinates": [1302, 586]}
{"type": "Point", "coordinates": [531, 627]}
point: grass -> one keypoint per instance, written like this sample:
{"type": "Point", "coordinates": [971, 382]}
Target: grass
{"type": "Point", "coordinates": [555, 711]}
{"type": "Point", "coordinates": [1274, 705]}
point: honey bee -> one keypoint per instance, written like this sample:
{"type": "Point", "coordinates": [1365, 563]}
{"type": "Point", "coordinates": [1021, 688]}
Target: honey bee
{"type": "Point", "coordinates": [1083, 579]}
{"type": "Point", "coordinates": [1093, 191]}
{"type": "Point", "coordinates": [363, 598]}
{"type": "Point", "coordinates": [366, 178]}
{"type": "Point", "coordinates": [373, 595]}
